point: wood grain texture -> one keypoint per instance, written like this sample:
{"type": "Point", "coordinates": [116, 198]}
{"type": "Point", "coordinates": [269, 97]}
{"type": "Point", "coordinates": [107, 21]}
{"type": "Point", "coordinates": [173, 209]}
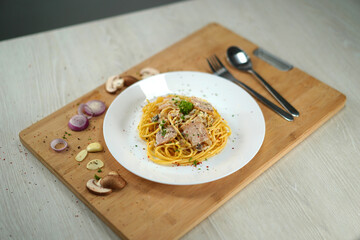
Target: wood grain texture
{"type": "Point", "coordinates": [311, 193]}
{"type": "Point", "coordinates": [155, 211]}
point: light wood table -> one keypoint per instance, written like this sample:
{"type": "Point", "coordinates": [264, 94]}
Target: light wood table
{"type": "Point", "coordinates": [311, 193]}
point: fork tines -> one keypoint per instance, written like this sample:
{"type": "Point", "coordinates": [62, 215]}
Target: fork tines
{"type": "Point", "coordinates": [214, 63]}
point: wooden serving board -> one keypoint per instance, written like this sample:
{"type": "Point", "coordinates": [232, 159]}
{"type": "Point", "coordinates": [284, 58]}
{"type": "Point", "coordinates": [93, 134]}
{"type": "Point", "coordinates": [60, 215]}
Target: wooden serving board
{"type": "Point", "coordinates": [148, 210]}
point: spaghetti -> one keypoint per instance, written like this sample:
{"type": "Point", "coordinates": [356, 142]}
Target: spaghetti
{"type": "Point", "coordinates": [182, 130]}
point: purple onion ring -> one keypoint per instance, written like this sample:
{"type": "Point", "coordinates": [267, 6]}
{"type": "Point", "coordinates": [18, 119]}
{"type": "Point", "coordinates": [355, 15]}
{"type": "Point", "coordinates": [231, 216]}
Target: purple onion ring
{"type": "Point", "coordinates": [57, 141]}
{"type": "Point", "coordinates": [89, 112]}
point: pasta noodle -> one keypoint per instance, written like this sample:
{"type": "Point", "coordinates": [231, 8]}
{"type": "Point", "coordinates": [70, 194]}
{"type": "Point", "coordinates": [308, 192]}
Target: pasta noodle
{"type": "Point", "coordinates": [182, 130]}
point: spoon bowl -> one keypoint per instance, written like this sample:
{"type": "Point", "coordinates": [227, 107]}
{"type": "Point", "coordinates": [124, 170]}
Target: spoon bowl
{"type": "Point", "coordinates": [240, 60]}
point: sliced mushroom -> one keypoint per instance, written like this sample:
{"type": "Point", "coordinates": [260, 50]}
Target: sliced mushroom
{"type": "Point", "coordinates": [114, 83]}
{"type": "Point", "coordinates": [94, 187]}
{"type": "Point", "coordinates": [117, 82]}
{"type": "Point", "coordinates": [113, 181]}
{"type": "Point", "coordinates": [148, 71]}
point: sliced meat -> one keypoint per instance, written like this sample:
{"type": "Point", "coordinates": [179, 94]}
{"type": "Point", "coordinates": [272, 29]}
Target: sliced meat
{"type": "Point", "coordinates": [168, 102]}
{"type": "Point", "coordinates": [202, 105]}
{"type": "Point", "coordinates": [165, 135]}
{"type": "Point", "coordinates": [203, 146]}
{"type": "Point", "coordinates": [195, 132]}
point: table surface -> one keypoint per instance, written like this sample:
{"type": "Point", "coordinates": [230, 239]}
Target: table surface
{"type": "Point", "coordinates": [311, 193]}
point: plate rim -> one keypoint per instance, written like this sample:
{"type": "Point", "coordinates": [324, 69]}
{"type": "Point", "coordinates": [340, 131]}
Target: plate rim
{"type": "Point", "coordinates": [180, 183]}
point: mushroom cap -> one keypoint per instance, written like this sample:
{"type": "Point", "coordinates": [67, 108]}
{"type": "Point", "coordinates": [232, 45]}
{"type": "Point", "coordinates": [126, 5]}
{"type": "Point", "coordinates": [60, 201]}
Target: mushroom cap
{"type": "Point", "coordinates": [129, 80]}
{"type": "Point", "coordinates": [114, 182]}
{"type": "Point", "coordinates": [93, 186]}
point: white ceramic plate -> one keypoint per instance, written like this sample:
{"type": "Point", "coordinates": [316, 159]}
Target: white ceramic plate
{"type": "Point", "coordinates": [234, 104]}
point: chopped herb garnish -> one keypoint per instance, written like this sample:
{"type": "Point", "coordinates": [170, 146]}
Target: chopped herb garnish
{"type": "Point", "coordinates": [135, 145]}
{"type": "Point", "coordinates": [185, 107]}
{"type": "Point", "coordinates": [195, 163]}
{"type": "Point", "coordinates": [99, 170]}
{"type": "Point", "coordinates": [163, 132]}
{"type": "Point", "coordinates": [97, 177]}
{"type": "Point", "coordinates": [155, 118]}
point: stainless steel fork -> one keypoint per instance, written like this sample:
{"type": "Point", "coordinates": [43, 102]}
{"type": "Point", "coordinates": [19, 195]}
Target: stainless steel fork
{"type": "Point", "coordinates": [219, 69]}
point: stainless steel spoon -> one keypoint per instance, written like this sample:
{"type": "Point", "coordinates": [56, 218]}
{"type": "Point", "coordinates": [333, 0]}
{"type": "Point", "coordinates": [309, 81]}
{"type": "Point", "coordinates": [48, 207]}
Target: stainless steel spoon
{"type": "Point", "coordinates": [240, 60]}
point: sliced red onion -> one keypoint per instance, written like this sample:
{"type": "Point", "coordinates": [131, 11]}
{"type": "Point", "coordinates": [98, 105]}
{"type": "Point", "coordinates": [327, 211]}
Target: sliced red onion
{"type": "Point", "coordinates": [83, 107]}
{"type": "Point", "coordinates": [78, 123]}
{"type": "Point", "coordinates": [97, 107]}
{"type": "Point", "coordinates": [57, 141]}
